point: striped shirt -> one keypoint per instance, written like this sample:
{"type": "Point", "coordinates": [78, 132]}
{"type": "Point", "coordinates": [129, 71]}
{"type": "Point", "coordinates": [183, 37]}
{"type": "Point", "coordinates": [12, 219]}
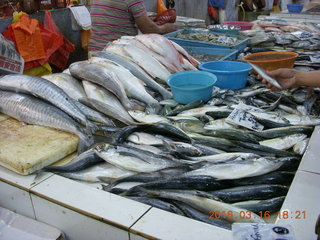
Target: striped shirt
{"type": "Point", "coordinates": [112, 19]}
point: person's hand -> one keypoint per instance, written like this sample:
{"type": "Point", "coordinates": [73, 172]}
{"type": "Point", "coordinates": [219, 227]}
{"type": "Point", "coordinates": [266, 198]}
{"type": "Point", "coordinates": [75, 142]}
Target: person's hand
{"type": "Point", "coordinates": [286, 77]}
{"type": "Point", "coordinates": [170, 27]}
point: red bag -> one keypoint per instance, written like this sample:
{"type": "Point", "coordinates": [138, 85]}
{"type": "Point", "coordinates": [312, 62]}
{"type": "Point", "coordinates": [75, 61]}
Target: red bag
{"type": "Point", "coordinates": [61, 56]}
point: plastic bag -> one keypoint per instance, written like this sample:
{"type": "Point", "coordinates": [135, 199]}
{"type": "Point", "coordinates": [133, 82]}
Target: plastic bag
{"type": "Point", "coordinates": [61, 56]}
{"type": "Point", "coordinates": [161, 7]}
{"type": "Point", "coordinates": [28, 39]}
{"type": "Point", "coordinates": [39, 71]}
{"type": "Point", "coordinates": [168, 16]}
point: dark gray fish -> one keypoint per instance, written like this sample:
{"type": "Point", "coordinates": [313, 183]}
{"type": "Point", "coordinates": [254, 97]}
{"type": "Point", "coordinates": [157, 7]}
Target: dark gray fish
{"type": "Point", "coordinates": [232, 134]}
{"type": "Point", "coordinates": [161, 204]}
{"type": "Point", "coordinates": [262, 207]}
{"type": "Point", "coordinates": [284, 131]}
{"type": "Point", "coordinates": [276, 177]}
{"type": "Point", "coordinates": [251, 192]}
{"type": "Point", "coordinates": [162, 174]}
{"type": "Point", "coordinates": [83, 161]}
{"type": "Point", "coordinates": [190, 212]}
{"type": "Point", "coordinates": [202, 183]}
{"type": "Point", "coordinates": [181, 108]}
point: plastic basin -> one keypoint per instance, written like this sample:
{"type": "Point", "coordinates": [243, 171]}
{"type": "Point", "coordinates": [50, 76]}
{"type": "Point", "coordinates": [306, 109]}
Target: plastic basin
{"type": "Point", "coordinates": [242, 25]}
{"type": "Point", "coordinates": [272, 60]}
{"type": "Point", "coordinates": [294, 8]}
{"type": "Point", "coordinates": [230, 74]}
{"type": "Point", "coordinates": [190, 86]}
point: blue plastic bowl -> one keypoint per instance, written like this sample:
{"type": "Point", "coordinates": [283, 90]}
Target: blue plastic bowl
{"type": "Point", "coordinates": [294, 8]}
{"type": "Point", "coordinates": [190, 86]}
{"type": "Point", "coordinates": [230, 74]}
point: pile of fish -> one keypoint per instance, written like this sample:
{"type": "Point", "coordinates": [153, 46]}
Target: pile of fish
{"type": "Point", "coordinates": [194, 160]}
{"type": "Point", "coordinates": [285, 35]}
{"type": "Point", "coordinates": [98, 93]}
{"type": "Point", "coordinates": [235, 154]}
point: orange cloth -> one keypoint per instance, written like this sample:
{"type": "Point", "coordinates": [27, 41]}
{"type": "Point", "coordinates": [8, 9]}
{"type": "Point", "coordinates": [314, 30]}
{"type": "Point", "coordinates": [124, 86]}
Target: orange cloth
{"type": "Point", "coordinates": [161, 7]}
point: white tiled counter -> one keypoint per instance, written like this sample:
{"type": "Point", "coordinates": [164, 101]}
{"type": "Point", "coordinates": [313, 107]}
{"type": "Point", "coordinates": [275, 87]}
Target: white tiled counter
{"type": "Point", "coordinates": [83, 212]}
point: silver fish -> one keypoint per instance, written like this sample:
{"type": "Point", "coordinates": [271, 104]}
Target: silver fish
{"type": "Point", "coordinates": [135, 70]}
{"type": "Point", "coordinates": [103, 77]}
{"type": "Point", "coordinates": [44, 89]}
{"type": "Point", "coordinates": [146, 118]}
{"type": "Point", "coordinates": [31, 110]}
{"type": "Point", "coordinates": [283, 143]}
{"type": "Point", "coordinates": [265, 76]}
{"type": "Point", "coordinates": [67, 83]}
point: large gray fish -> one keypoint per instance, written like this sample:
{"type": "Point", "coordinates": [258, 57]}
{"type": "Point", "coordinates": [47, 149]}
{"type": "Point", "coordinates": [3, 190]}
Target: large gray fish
{"type": "Point", "coordinates": [203, 203]}
{"type": "Point", "coordinates": [252, 192]}
{"type": "Point", "coordinates": [67, 83]}
{"type": "Point", "coordinates": [93, 173]}
{"type": "Point", "coordinates": [103, 77]}
{"type": "Point", "coordinates": [94, 115]}
{"type": "Point", "coordinates": [238, 169]}
{"type": "Point", "coordinates": [131, 161]}
{"type": "Point", "coordinates": [107, 110]}
{"type": "Point", "coordinates": [266, 206]}
{"type": "Point", "coordinates": [31, 110]}
{"type": "Point", "coordinates": [44, 89]}
{"type": "Point", "coordinates": [135, 70]}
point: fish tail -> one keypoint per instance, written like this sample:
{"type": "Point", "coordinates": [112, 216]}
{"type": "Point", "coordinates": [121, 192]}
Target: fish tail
{"type": "Point", "coordinates": [85, 142]}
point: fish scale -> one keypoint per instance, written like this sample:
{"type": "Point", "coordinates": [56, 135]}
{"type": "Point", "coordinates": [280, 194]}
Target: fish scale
{"type": "Point", "coordinates": [31, 110]}
{"type": "Point", "coordinates": [44, 89]}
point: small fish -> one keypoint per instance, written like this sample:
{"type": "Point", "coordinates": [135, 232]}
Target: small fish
{"type": "Point", "coordinates": [146, 118]}
{"type": "Point", "coordinates": [265, 76]}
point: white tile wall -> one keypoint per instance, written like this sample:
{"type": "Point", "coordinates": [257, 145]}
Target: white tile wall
{"type": "Point", "coordinates": [16, 200]}
{"type": "Point", "coordinates": [76, 226]}
{"type": "Point", "coordinates": [304, 195]}
{"type": "Point", "coordinates": [80, 197]}
{"type": "Point", "coordinates": [159, 224]}
{"type": "Point", "coordinates": [310, 161]}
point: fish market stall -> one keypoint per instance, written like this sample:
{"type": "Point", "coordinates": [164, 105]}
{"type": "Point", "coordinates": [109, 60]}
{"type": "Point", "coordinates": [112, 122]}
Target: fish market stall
{"type": "Point", "coordinates": [140, 165]}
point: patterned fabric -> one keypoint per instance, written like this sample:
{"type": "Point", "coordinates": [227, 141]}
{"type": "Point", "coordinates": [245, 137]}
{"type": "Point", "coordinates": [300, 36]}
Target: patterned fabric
{"type": "Point", "coordinates": [112, 19]}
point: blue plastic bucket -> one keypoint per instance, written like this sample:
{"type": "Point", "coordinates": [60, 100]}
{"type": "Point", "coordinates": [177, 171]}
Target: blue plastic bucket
{"type": "Point", "coordinates": [294, 8]}
{"type": "Point", "coordinates": [230, 74]}
{"type": "Point", "coordinates": [190, 86]}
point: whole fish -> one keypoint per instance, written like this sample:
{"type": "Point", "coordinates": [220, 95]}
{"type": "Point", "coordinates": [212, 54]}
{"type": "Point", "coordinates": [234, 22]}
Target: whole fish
{"type": "Point", "coordinates": [137, 71]}
{"type": "Point", "coordinates": [97, 74]}
{"type": "Point", "coordinates": [82, 161]}
{"type": "Point", "coordinates": [218, 124]}
{"type": "Point", "coordinates": [161, 174]}
{"type": "Point", "coordinates": [133, 86]}
{"type": "Point", "coordinates": [225, 157]}
{"type": "Point", "coordinates": [265, 76]}
{"type": "Point", "coordinates": [267, 206]}
{"type": "Point", "coordinates": [251, 192]}
{"type": "Point", "coordinates": [46, 90]}
{"type": "Point", "coordinates": [190, 212]}
{"type": "Point", "coordinates": [302, 120]}
{"type": "Point", "coordinates": [132, 162]}
{"type": "Point", "coordinates": [94, 115]}
{"type": "Point", "coordinates": [93, 173]}
{"type": "Point", "coordinates": [238, 169]}
{"type": "Point", "coordinates": [31, 110]}
{"type": "Point", "coordinates": [103, 95]}
{"type": "Point", "coordinates": [145, 138]}
{"type": "Point", "coordinates": [284, 131]}
{"type": "Point", "coordinates": [67, 83]}
{"type": "Point", "coordinates": [148, 148]}
{"type": "Point", "coordinates": [232, 134]}
{"type": "Point", "coordinates": [145, 61]}
{"type": "Point", "coordinates": [143, 117]}
{"type": "Point", "coordinates": [283, 143]}
{"type": "Point", "coordinates": [181, 108]}
{"type": "Point", "coordinates": [201, 202]}
{"type": "Point", "coordinates": [182, 148]}
{"type": "Point", "coordinates": [154, 202]}
{"type": "Point", "coordinates": [107, 110]}
{"type": "Point", "coordinates": [198, 112]}
{"type": "Point", "coordinates": [184, 53]}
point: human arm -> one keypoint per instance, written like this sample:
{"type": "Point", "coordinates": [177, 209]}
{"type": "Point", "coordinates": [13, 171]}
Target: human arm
{"type": "Point", "coordinates": [146, 25]}
{"type": "Point", "coordinates": [291, 78]}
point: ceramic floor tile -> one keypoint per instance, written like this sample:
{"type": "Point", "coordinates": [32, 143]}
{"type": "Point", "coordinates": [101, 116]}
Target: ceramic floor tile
{"type": "Point", "coordinates": [91, 201]}
{"type": "Point", "coordinates": [21, 181]}
{"type": "Point", "coordinates": [16, 200]}
{"type": "Point", "coordinates": [159, 224]}
{"type": "Point", "coordinates": [301, 207]}
{"type": "Point", "coordinates": [75, 225]}
{"type": "Point", "coordinates": [310, 161]}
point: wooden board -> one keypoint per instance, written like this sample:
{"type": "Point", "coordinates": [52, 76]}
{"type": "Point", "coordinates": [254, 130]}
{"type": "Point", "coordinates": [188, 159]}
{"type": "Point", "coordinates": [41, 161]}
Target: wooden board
{"type": "Point", "coordinates": [28, 148]}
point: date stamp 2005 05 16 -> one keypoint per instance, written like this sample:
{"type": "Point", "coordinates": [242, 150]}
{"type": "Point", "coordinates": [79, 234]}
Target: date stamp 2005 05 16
{"type": "Point", "coordinates": [299, 214]}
